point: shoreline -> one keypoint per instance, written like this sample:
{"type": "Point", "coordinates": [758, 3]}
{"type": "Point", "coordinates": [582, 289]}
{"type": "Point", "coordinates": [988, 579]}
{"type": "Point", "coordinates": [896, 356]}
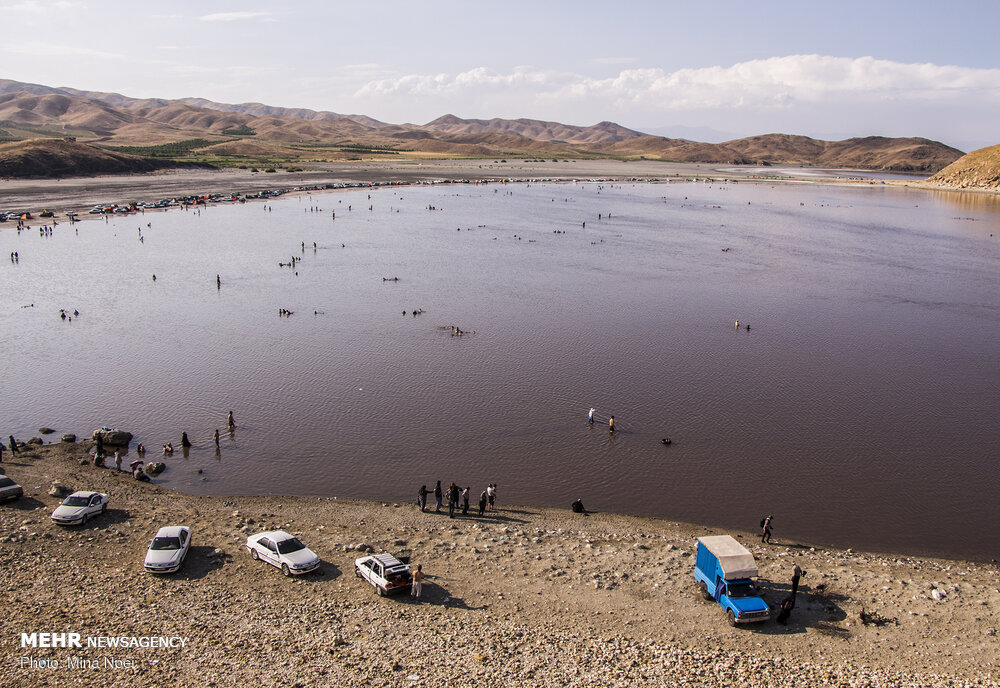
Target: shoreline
{"type": "Point", "coordinates": [614, 592]}
{"type": "Point", "coordinates": [79, 194]}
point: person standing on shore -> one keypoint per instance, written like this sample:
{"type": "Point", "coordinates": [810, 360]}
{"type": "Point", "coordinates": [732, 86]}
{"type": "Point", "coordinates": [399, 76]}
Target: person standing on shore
{"type": "Point", "coordinates": [465, 502]}
{"type": "Point", "coordinates": [452, 499]}
{"type": "Point", "coordinates": [1, 452]}
{"type": "Point", "coordinates": [422, 498]}
{"type": "Point", "coordinates": [797, 573]}
{"type": "Point", "coordinates": [437, 498]}
{"type": "Point", "coordinates": [490, 495]}
{"type": "Point", "coordinates": [418, 583]}
{"type": "Point", "coordinates": [118, 461]}
{"type": "Point", "coordinates": [765, 526]}
{"type": "Point", "coordinates": [482, 502]}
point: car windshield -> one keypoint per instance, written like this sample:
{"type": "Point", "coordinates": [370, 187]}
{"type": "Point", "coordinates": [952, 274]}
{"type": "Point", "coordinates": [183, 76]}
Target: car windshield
{"type": "Point", "coordinates": [289, 546]}
{"type": "Point", "coordinates": [166, 543]}
{"type": "Point", "coordinates": [742, 590]}
{"type": "Point", "coordinates": [6, 482]}
{"type": "Point", "coordinates": [76, 501]}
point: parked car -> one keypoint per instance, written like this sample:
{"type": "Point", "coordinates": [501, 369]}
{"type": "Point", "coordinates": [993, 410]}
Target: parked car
{"type": "Point", "coordinates": [9, 489]}
{"type": "Point", "coordinates": [283, 551]}
{"type": "Point", "coordinates": [167, 550]}
{"type": "Point", "coordinates": [384, 571]}
{"type": "Point", "coordinates": [80, 507]}
{"type": "Point", "coordinates": [724, 570]}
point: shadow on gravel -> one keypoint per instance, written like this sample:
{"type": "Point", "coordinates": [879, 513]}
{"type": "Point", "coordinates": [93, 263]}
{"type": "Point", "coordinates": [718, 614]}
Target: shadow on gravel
{"type": "Point", "coordinates": [488, 517]}
{"type": "Point", "coordinates": [25, 504]}
{"type": "Point", "coordinates": [102, 521]}
{"type": "Point", "coordinates": [437, 595]}
{"type": "Point", "coordinates": [198, 563]}
{"type": "Point", "coordinates": [816, 609]}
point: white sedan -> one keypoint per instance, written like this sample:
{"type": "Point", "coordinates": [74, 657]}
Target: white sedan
{"type": "Point", "coordinates": [284, 551]}
{"type": "Point", "coordinates": [167, 551]}
{"type": "Point", "coordinates": [79, 507]}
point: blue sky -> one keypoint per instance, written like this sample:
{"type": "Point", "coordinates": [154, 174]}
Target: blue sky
{"type": "Point", "coordinates": [707, 70]}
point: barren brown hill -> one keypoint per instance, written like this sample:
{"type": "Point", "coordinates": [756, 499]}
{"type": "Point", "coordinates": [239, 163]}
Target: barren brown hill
{"type": "Point", "coordinates": [61, 158]}
{"type": "Point", "coordinates": [980, 169]}
{"type": "Point", "coordinates": [31, 110]}
{"type": "Point", "coordinates": [872, 152]}
{"type": "Point", "coordinates": [603, 132]}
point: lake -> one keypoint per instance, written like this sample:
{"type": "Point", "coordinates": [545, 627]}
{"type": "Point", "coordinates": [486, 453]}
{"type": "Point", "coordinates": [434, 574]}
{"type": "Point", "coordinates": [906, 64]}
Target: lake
{"type": "Point", "coordinates": [860, 408]}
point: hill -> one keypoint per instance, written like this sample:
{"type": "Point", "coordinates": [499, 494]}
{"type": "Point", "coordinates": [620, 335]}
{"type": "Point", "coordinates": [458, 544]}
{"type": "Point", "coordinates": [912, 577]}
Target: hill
{"type": "Point", "coordinates": [980, 169]}
{"type": "Point", "coordinates": [62, 158]}
{"type": "Point", "coordinates": [297, 134]}
{"type": "Point", "coordinates": [872, 152]}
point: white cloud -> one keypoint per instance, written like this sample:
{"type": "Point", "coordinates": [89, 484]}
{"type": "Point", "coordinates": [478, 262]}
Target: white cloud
{"type": "Point", "coordinates": [237, 16]}
{"type": "Point", "coordinates": [773, 83]}
{"type": "Point", "coordinates": [795, 93]}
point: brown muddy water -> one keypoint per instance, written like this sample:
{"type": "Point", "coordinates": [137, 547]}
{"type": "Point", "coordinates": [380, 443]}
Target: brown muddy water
{"type": "Point", "coordinates": [860, 408]}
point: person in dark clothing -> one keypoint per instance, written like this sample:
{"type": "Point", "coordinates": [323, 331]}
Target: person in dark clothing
{"type": "Point", "coordinates": [185, 442]}
{"type": "Point", "coordinates": [797, 573]}
{"type": "Point", "coordinates": [787, 605]}
{"type": "Point", "coordinates": [422, 497]}
{"type": "Point", "coordinates": [1, 452]}
{"type": "Point", "coordinates": [765, 526]}
{"type": "Point", "coordinates": [578, 507]}
{"type": "Point", "coordinates": [482, 502]}
{"type": "Point", "coordinates": [452, 499]}
{"type": "Point", "coordinates": [437, 497]}
{"type": "Point", "coordinates": [100, 445]}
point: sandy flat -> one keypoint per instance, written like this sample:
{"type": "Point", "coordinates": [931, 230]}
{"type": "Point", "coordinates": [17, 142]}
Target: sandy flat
{"type": "Point", "coordinates": [520, 597]}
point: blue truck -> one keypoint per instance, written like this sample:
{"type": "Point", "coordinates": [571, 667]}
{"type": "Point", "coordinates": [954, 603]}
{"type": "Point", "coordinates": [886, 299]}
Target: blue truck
{"type": "Point", "coordinates": [724, 569]}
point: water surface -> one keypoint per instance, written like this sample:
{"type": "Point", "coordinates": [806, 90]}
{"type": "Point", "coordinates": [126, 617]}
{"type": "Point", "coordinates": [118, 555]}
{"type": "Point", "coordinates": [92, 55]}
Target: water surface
{"type": "Point", "coordinates": [860, 408]}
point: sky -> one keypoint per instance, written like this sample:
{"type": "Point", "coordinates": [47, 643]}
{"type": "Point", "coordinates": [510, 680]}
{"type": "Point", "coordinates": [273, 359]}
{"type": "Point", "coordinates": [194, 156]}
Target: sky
{"type": "Point", "coordinates": [709, 71]}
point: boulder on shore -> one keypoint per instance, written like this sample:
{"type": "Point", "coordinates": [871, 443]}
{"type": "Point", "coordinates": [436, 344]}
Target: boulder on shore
{"type": "Point", "coordinates": [69, 437]}
{"type": "Point", "coordinates": [35, 440]}
{"type": "Point", "coordinates": [155, 468]}
{"type": "Point", "coordinates": [59, 490]}
{"type": "Point", "coordinates": [45, 431]}
{"type": "Point", "coordinates": [115, 438]}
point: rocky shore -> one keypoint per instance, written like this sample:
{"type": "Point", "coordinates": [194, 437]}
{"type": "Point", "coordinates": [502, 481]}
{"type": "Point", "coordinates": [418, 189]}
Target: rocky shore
{"type": "Point", "coordinates": [520, 597]}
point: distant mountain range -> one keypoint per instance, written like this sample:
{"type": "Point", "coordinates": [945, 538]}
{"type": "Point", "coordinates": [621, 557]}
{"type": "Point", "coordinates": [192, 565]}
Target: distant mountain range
{"type": "Point", "coordinates": [226, 133]}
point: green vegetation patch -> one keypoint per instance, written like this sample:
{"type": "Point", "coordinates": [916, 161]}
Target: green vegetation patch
{"type": "Point", "coordinates": [164, 150]}
{"type": "Point", "coordinates": [242, 130]}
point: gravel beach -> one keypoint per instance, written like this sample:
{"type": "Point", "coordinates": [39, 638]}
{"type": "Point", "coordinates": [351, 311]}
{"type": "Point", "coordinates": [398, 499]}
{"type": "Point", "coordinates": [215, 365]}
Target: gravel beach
{"type": "Point", "coordinates": [520, 597]}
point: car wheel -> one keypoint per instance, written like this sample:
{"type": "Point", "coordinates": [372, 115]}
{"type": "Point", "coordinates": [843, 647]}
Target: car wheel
{"type": "Point", "coordinates": [284, 570]}
{"type": "Point", "coordinates": [86, 517]}
{"type": "Point", "coordinates": [357, 572]}
{"type": "Point", "coordinates": [254, 555]}
{"type": "Point", "coordinates": [704, 590]}
{"type": "Point", "coordinates": [104, 508]}
{"type": "Point", "coordinates": [380, 591]}
{"type": "Point", "coordinates": [731, 617]}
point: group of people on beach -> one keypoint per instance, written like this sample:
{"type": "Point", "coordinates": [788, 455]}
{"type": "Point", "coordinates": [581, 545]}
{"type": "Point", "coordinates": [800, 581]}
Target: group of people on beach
{"type": "Point", "coordinates": [454, 493]}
